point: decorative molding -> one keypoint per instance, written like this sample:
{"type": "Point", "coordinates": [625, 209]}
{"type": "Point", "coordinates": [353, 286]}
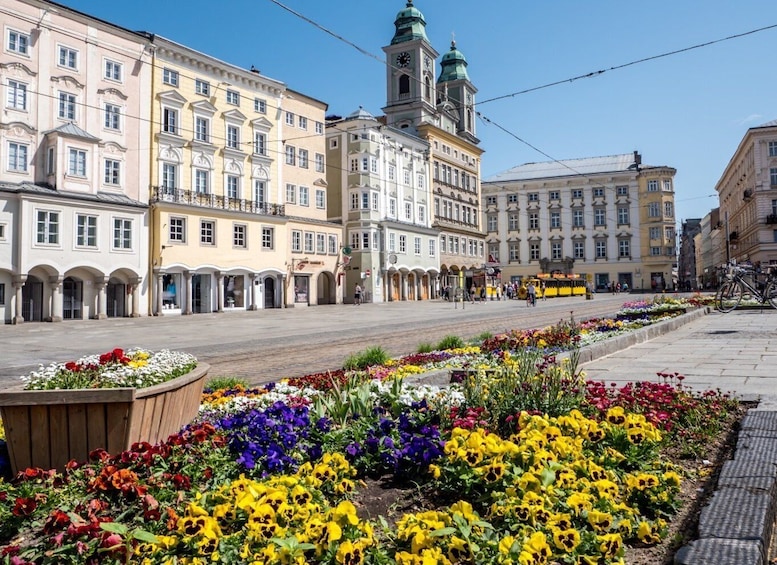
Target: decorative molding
{"type": "Point", "coordinates": [69, 81]}
{"type": "Point", "coordinates": [112, 92]}
{"type": "Point", "coordinates": [17, 68]}
{"type": "Point", "coordinates": [18, 129]}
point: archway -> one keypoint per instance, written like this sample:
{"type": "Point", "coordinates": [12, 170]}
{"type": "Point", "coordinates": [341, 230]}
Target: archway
{"type": "Point", "coordinates": [72, 299]}
{"type": "Point", "coordinates": [116, 298]}
{"type": "Point", "coordinates": [326, 288]}
{"type": "Point", "coordinates": [269, 292]}
{"type": "Point", "coordinates": [32, 299]}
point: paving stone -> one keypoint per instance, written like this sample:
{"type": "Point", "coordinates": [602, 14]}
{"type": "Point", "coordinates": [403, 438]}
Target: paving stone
{"type": "Point", "coordinates": [735, 513]}
{"type": "Point", "coordinates": [759, 420]}
{"type": "Point", "coordinates": [720, 552]}
{"type": "Point", "coordinates": [745, 468]}
{"type": "Point", "coordinates": [756, 448]}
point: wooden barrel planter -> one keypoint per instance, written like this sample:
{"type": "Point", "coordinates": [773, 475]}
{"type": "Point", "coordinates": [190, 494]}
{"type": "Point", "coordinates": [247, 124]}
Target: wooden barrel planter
{"type": "Point", "coordinates": [48, 428]}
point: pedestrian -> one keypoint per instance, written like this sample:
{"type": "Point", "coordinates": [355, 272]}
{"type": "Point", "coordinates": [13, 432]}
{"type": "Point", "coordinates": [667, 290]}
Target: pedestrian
{"type": "Point", "coordinates": [531, 294]}
{"type": "Point", "coordinates": [357, 295]}
{"type": "Point", "coordinates": [542, 290]}
{"type": "Point", "coordinates": [483, 294]}
{"type": "Point", "coordinates": [472, 292]}
{"type": "Point", "coordinates": [499, 292]}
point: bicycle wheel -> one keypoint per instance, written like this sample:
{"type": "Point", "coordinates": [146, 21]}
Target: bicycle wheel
{"type": "Point", "coordinates": [729, 296]}
{"type": "Point", "coordinates": [770, 293]}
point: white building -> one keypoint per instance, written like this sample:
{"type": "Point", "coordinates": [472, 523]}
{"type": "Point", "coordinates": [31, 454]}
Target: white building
{"type": "Point", "coordinates": [73, 184]}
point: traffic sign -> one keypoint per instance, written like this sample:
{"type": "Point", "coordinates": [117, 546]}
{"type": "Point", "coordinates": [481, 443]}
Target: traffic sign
{"type": "Point", "coordinates": [367, 273]}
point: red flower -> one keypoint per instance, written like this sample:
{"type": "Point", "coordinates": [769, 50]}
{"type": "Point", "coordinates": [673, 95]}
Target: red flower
{"type": "Point", "coordinates": [24, 506]}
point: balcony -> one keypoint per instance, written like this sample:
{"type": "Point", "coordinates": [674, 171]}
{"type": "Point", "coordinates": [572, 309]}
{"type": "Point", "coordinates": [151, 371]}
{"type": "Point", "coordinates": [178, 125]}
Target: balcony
{"type": "Point", "coordinates": [771, 219]}
{"type": "Point", "coordinates": [192, 198]}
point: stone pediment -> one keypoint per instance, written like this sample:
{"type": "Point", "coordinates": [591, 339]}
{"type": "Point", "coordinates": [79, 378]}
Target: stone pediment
{"type": "Point", "coordinates": [204, 107]}
{"type": "Point", "coordinates": [262, 123]}
{"type": "Point", "coordinates": [172, 97]}
{"type": "Point", "coordinates": [234, 115]}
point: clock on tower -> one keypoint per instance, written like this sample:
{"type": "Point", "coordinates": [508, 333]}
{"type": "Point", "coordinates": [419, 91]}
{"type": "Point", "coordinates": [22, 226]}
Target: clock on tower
{"type": "Point", "coordinates": [403, 59]}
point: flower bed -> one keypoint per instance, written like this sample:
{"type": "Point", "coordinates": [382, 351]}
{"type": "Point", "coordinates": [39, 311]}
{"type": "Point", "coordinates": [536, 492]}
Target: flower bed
{"type": "Point", "coordinates": [528, 464]}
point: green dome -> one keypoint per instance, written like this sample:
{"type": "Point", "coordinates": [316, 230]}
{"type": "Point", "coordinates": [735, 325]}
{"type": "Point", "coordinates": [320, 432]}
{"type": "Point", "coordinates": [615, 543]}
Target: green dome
{"type": "Point", "coordinates": [410, 25]}
{"type": "Point", "coordinates": [454, 65]}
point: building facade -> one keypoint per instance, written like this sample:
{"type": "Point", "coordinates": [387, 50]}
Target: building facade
{"type": "Point", "coordinates": [73, 184]}
{"type": "Point", "coordinates": [747, 192]}
{"type": "Point", "coordinates": [686, 258]}
{"type": "Point", "coordinates": [441, 112]}
{"type": "Point", "coordinates": [379, 185]}
{"type": "Point", "coordinates": [592, 217]}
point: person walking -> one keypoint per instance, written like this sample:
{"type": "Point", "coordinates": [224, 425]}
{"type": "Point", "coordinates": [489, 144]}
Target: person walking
{"type": "Point", "coordinates": [542, 290]}
{"type": "Point", "coordinates": [531, 294]}
{"type": "Point", "coordinates": [472, 292]}
{"type": "Point", "coordinates": [357, 294]}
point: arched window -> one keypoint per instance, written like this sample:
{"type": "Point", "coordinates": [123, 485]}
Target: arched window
{"type": "Point", "coordinates": [427, 88]}
{"type": "Point", "coordinates": [404, 86]}
{"type": "Point", "coordinates": [469, 119]}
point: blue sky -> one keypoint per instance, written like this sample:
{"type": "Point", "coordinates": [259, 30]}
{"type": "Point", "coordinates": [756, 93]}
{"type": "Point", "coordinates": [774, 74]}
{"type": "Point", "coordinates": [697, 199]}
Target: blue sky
{"type": "Point", "coordinates": [688, 111]}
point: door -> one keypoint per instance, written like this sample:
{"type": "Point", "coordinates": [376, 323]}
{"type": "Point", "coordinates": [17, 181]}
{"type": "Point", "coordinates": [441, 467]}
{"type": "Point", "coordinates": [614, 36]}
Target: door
{"type": "Point", "coordinates": [72, 299]}
{"type": "Point", "coordinates": [116, 295]}
{"type": "Point", "coordinates": [269, 292]}
{"type": "Point", "coordinates": [32, 300]}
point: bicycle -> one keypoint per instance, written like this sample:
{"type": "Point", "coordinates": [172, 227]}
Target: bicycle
{"type": "Point", "coordinates": [741, 282]}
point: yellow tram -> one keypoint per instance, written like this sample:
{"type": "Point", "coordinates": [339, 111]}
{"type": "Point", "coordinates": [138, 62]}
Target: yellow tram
{"type": "Point", "coordinates": [560, 285]}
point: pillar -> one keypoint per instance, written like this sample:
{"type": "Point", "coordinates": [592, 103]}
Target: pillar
{"type": "Point", "coordinates": [187, 283]}
{"type": "Point", "coordinates": [136, 282]}
{"type": "Point", "coordinates": [251, 294]}
{"type": "Point", "coordinates": [159, 294]}
{"type": "Point", "coordinates": [102, 298]}
{"type": "Point", "coordinates": [403, 286]}
{"type": "Point", "coordinates": [220, 294]}
{"type": "Point", "coordinates": [57, 300]}
{"type": "Point", "coordinates": [18, 283]}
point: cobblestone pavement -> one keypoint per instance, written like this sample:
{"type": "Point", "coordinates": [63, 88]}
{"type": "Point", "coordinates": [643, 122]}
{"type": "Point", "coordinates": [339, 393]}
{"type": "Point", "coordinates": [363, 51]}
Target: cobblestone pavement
{"type": "Point", "coordinates": [271, 344]}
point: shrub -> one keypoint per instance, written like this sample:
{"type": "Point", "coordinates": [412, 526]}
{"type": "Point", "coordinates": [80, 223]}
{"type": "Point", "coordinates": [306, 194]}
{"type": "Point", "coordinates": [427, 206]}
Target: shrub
{"type": "Point", "coordinates": [424, 348]}
{"type": "Point", "coordinates": [450, 342]}
{"type": "Point", "coordinates": [370, 357]}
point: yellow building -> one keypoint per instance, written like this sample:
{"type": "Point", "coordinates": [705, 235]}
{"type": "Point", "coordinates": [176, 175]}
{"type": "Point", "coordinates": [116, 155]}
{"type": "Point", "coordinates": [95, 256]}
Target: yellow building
{"type": "Point", "coordinates": [226, 190]}
{"type": "Point", "coordinates": [658, 248]}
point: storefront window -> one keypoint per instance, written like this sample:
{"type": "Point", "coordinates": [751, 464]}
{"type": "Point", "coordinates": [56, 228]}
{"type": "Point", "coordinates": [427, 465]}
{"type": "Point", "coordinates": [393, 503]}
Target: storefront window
{"type": "Point", "coordinates": [171, 290]}
{"type": "Point", "coordinates": [234, 295]}
{"type": "Point", "coordinates": [301, 289]}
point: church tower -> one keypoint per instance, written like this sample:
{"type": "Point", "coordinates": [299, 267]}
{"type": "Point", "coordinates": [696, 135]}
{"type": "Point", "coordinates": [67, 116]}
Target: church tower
{"type": "Point", "coordinates": [457, 93]}
{"type": "Point", "coordinates": [411, 95]}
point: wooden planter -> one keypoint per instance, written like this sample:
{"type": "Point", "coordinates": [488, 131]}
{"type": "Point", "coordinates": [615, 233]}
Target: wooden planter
{"type": "Point", "coordinates": [48, 428]}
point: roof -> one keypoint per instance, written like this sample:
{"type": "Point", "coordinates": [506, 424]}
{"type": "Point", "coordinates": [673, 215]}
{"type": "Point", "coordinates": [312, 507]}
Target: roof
{"type": "Point", "coordinates": [360, 114]}
{"type": "Point", "coordinates": [566, 168]}
{"type": "Point", "coordinates": [768, 124]}
{"type": "Point", "coordinates": [100, 197]}
{"type": "Point", "coordinates": [72, 130]}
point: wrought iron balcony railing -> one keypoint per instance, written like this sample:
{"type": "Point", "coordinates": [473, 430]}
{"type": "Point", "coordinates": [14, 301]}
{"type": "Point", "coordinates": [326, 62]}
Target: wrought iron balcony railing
{"type": "Point", "coordinates": [193, 198]}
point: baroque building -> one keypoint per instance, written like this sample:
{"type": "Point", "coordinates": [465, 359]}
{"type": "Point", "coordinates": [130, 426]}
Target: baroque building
{"type": "Point", "coordinates": [609, 219]}
{"type": "Point", "coordinates": [73, 184]}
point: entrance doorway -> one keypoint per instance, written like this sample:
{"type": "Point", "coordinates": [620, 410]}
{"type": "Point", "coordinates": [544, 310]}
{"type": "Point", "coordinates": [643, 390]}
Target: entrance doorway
{"type": "Point", "coordinates": [201, 293]}
{"type": "Point", "coordinates": [32, 300]}
{"type": "Point", "coordinates": [72, 299]}
{"type": "Point", "coordinates": [269, 292]}
{"type": "Point", "coordinates": [116, 295]}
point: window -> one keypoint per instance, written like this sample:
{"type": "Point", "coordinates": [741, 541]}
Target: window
{"type": "Point", "coordinates": [112, 117]}
{"type": "Point", "coordinates": [319, 163]}
{"type": "Point", "coordinates": [233, 97]}
{"type": "Point", "coordinates": [655, 233]}
{"type": "Point", "coordinates": [17, 157]}
{"type": "Point", "coordinates": [268, 238]}
{"type": "Point", "coordinates": [555, 251]}
{"type": "Point", "coordinates": [623, 215]}
{"type": "Point", "coordinates": [655, 251]}
{"type": "Point", "coordinates": [303, 122]}
{"type": "Point", "coordinates": [177, 229]}
{"type": "Point", "coordinates": [534, 197]}
{"type": "Point", "coordinates": [667, 186]}
{"type": "Point", "coordinates": [577, 219]}
{"type": "Point", "coordinates": [393, 207]}
{"type": "Point", "coordinates": [408, 211]}
{"type": "Point", "coordinates": [47, 230]}
{"type": "Point", "coordinates": [122, 233]}
{"type": "Point", "coordinates": [669, 233]}
{"type": "Point", "coordinates": [373, 165]}
{"type": "Point", "coordinates": [624, 248]}
{"type": "Point", "coordinates": [600, 217]}
{"type": "Point", "coordinates": [417, 245]}
{"type": "Point", "coordinates": [668, 209]}
{"type": "Point", "coordinates": [68, 57]}
{"type": "Point", "coordinates": [432, 247]}
{"type": "Point", "coordinates": [51, 162]}
{"type": "Point", "coordinates": [555, 220]}
{"type": "Point", "coordinates": [652, 186]}
{"type": "Point", "coordinates": [354, 201]}
{"type": "Point", "coordinates": [534, 221]}
{"type": "Point", "coordinates": [304, 196]}
{"type": "Point", "coordinates": [512, 222]}
{"type": "Point", "coordinates": [333, 143]}
{"type": "Point", "coordinates": [773, 149]}
{"type": "Point", "coordinates": [112, 172]}
{"type": "Point", "coordinates": [491, 201]}
{"type": "Point", "coordinates": [512, 198]}
{"type": "Point", "coordinates": [18, 42]}
{"type": "Point", "coordinates": [233, 137]}
{"type": "Point", "coordinates": [289, 119]}
{"type": "Point", "coordinates": [601, 249]}
{"type": "Point", "coordinates": [309, 241]}
{"type": "Point", "coordinates": [406, 175]}
{"type": "Point", "coordinates": [76, 162]}
{"type": "Point", "coordinates": [169, 175]}
{"type": "Point", "coordinates": [578, 248]}
{"type": "Point", "coordinates": [2, 293]}
{"type": "Point", "coordinates": [577, 193]}
{"type": "Point", "coordinates": [291, 193]}
{"type": "Point", "coordinates": [421, 182]}
{"type": "Point", "coordinates": [319, 128]}
{"type": "Point", "coordinates": [67, 106]}
{"type": "Point", "coordinates": [233, 187]}
{"type": "Point", "coordinates": [554, 195]}
{"type": "Point", "coordinates": [170, 121]}
{"type": "Point", "coordinates": [534, 251]}
{"type": "Point", "coordinates": [392, 242]}
{"type": "Point", "coordinates": [513, 252]}
{"type": "Point", "coordinates": [169, 76]}
{"type": "Point", "coordinates": [421, 214]}
{"type": "Point", "coordinates": [366, 240]}
{"type": "Point", "coordinates": [291, 155]}
{"type": "Point", "coordinates": [200, 181]}
{"type": "Point", "coordinates": [17, 95]}
{"type": "Point", "coordinates": [491, 222]}
{"type": "Point", "coordinates": [113, 70]}
{"type": "Point", "coordinates": [332, 244]}
{"type": "Point", "coordinates": [259, 192]}
{"type": "Point", "coordinates": [239, 235]}
{"type": "Point", "coordinates": [375, 201]}
{"type": "Point", "coordinates": [654, 210]}
{"type": "Point", "coordinates": [296, 240]}
{"type": "Point", "coordinates": [86, 230]}
{"type": "Point", "coordinates": [598, 192]}
{"type": "Point", "coordinates": [403, 244]}
{"type": "Point", "coordinates": [260, 143]}
{"type": "Point", "coordinates": [201, 129]}
{"type": "Point", "coordinates": [365, 205]}
{"type": "Point", "coordinates": [303, 158]}
{"type": "Point", "coordinates": [260, 105]}
{"type": "Point", "coordinates": [207, 232]}
{"type": "Point", "coordinates": [321, 243]}
{"type": "Point", "coordinates": [443, 247]}
{"type": "Point", "coordinates": [622, 190]}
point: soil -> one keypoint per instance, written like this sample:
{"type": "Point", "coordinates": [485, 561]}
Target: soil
{"type": "Point", "coordinates": [382, 497]}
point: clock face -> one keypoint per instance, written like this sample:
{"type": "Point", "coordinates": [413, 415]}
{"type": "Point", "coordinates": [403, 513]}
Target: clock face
{"type": "Point", "coordinates": [428, 62]}
{"type": "Point", "coordinates": [403, 59]}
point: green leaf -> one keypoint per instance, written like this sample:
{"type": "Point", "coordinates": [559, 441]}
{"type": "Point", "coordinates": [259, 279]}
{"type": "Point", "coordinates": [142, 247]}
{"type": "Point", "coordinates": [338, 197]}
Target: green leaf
{"type": "Point", "coordinates": [143, 535]}
{"type": "Point", "coordinates": [442, 532]}
{"type": "Point", "coordinates": [114, 527]}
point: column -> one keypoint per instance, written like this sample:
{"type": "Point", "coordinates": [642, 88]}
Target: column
{"type": "Point", "coordinates": [57, 300]}
{"type": "Point", "coordinates": [187, 283]}
{"type": "Point", "coordinates": [403, 287]}
{"type": "Point", "coordinates": [220, 283]}
{"type": "Point", "coordinates": [419, 283]}
{"type": "Point", "coordinates": [159, 294]}
{"type": "Point", "coordinates": [282, 282]}
{"type": "Point", "coordinates": [136, 282]}
{"type": "Point", "coordinates": [18, 283]}
{"type": "Point", "coordinates": [102, 299]}
{"type": "Point", "coordinates": [251, 294]}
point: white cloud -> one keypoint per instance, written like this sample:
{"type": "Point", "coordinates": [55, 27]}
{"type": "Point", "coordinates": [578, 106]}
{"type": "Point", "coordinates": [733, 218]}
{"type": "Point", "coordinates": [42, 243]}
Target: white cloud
{"type": "Point", "coordinates": [751, 118]}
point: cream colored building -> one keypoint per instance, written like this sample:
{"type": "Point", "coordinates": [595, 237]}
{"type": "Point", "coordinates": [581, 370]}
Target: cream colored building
{"type": "Point", "coordinates": [73, 185]}
{"type": "Point", "coordinates": [609, 219]}
{"type": "Point", "coordinates": [747, 191]}
{"type": "Point", "coordinates": [236, 171]}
